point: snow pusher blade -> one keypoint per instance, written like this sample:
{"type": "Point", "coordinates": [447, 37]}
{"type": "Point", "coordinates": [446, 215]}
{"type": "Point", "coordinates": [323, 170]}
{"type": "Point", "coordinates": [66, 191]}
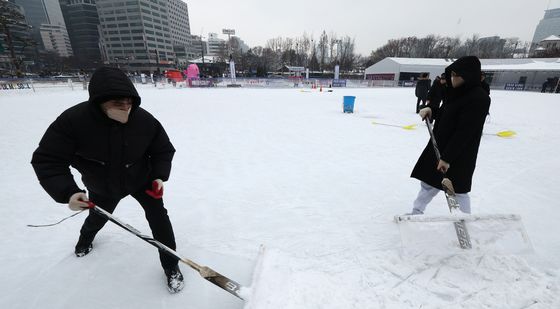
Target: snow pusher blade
{"type": "Point", "coordinates": [488, 233]}
{"type": "Point", "coordinates": [249, 294]}
{"type": "Point", "coordinates": [207, 273]}
{"type": "Point", "coordinates": [491, 233]}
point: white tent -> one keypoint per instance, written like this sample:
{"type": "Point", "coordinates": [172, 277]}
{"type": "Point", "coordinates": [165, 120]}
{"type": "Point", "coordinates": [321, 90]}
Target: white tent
{"type": "Point", "coordinates": [532, 72]}
{"type": "Point", "coordinates": [395, 69]}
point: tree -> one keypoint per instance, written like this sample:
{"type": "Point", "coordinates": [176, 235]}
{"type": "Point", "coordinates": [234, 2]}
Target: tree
{"type": "Point", "coordinates": [347, 56]}
{"type": "Point", "coordinates": [323, 50]}
{"type": "Point", "coordinates": [314, 62]}
{"type": "Point", "coordinates": [433, 46]}
{"type": "Point", "coordinates": [10, 19]}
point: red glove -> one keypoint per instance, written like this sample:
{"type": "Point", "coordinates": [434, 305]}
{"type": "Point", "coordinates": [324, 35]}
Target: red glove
{"type": "Point", "coordinates": [157, 189]}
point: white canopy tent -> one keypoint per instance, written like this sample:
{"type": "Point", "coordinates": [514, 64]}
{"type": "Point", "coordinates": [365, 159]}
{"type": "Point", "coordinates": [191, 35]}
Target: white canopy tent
{"type": "Point", "coordinates": [531, 72]}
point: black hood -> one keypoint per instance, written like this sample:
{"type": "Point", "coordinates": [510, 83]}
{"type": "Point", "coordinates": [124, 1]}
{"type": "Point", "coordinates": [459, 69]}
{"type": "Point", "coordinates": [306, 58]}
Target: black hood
{"type": "Point", "coordinates": [107, 83]}
{"type": "Point", "coordinates": [468, 68]}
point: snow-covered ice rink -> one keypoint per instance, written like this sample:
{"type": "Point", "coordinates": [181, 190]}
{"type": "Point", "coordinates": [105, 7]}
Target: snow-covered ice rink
{"type": "Point", "coordinates": [318, 188]}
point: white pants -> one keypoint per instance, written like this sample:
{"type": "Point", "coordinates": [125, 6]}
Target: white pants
{"type": "Point", "coordinates": [428, 192]}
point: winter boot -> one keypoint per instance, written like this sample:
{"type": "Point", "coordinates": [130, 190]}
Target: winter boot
{"type": "Point", "coordinates": [175, 281]}
{"type": "Point", "coordinates": [83, 247]}
{"type": "Point", "coordinates": [81, 251]}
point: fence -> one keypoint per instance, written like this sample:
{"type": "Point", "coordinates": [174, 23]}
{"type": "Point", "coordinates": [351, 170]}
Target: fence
{"type": "Point", "coordinates": [77, 83]}
{"type": "Point", "coordinates": [36, 84]}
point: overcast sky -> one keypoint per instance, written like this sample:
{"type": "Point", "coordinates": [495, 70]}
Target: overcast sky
{"type": "Point", "coordinates": [372, 23]}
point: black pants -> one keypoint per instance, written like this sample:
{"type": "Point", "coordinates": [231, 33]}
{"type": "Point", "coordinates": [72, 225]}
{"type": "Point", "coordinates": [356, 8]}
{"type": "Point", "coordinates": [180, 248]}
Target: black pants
{"type": "Point", "coordinates": [418, 104]}
{"type": "Point", "coordinates": [156, 214]}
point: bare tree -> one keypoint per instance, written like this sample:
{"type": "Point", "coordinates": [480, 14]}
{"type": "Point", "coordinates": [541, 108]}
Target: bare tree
{"type": "Point", "coordinates": [347, 55]}
{"type": "Point", "coordinates": [426, 47]}
{"type": "Point", "coordinates": [323, 49]}
{"type": "Point", "coordinates": [334, 47]}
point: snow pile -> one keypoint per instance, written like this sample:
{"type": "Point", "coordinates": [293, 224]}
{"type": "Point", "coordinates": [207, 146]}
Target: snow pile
{"type": "Point", "coordinates": [289, 170]}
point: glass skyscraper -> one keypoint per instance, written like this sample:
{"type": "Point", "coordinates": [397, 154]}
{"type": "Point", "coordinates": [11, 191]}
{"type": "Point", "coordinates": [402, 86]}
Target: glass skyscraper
{"type": "Point", "coordinates": [82, 22]}
{"type": "Point", "coordinates": [49, 29]}
{"type": "Point", "coordinates": [549, 25]}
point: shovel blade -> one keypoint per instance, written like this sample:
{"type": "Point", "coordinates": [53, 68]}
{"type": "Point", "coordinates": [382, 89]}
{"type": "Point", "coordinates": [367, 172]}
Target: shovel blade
{"type": "Point", "coordinates": [498, 234]}
{"type": "Point", "coordinates": [221, 281]}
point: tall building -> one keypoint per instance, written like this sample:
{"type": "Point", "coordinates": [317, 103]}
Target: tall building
{"type": "Point", "coordinates": [549, 25]}
{"type": "Point", "coordinates": [181, 32]}
{"type": "Point", "coordinates": [17, 50]}
{"type": "Point", "coordinates": [56, 39]}
{"type": "Point", "coordinates": [82, 23]}
{"type": "Point", "coordinates": [49, 28]}
{"type": "Point", "coordinates": [198, 47]}
{"type": "Point", "coordinates": [140, 35]}
{"type": "Point", "coordinates": [216, 46]}
{"type": "Point", "coordinates": [238, 43]}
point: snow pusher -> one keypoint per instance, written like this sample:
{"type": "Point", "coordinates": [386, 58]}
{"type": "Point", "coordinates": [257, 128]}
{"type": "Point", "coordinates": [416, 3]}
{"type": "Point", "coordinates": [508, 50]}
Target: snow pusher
{"type": "Point", "coordinates": [223, 282]}
{"type": "Point", "coordinates": [496, 233]}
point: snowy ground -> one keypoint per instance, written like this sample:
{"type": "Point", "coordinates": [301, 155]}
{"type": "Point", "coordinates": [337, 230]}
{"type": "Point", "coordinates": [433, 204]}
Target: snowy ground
{"type": "Point", "coordinates": [287, 169]}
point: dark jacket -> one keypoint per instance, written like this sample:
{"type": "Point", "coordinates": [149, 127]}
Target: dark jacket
{"type": "Point", "coordinates": [458, 129]}
{"type": "Point", "coordinates": [485, 86]}
{"type": "Point", "coordinates": [422, 88]}
{"type": "Point", "coordinates": [437, 92]}
{"type": "Point", "coordinates": [114, 159]}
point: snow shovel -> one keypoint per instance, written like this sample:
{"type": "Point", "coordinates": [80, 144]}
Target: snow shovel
{"type": "Point", "coordinates": [207, 273]}
{"type": "Point", "coordinates": [407, 127]}
{"type": "Point", "coordinates": [489, 233]}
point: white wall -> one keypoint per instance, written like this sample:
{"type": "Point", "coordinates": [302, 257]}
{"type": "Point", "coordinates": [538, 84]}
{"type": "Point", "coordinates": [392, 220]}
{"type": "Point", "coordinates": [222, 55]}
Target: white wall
{"type": "Point", "coordinates": [433, 70]}
{"type": "Point", "coordinates": [385, 66]}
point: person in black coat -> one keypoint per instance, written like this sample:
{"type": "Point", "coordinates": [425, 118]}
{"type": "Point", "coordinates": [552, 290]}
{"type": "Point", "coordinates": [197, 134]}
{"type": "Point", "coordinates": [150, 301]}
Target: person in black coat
{"type": "Point", "coordinates": [483, 83]}
{"type": "Point", "coordinates": [458, 130]}
{"type": "Point", "coordinates": [544, 86]}
{"type": "Point", "coordinates": [437, 93]}
{"type": "Point", "coordinates": [421, 91]}
{"type": "Point", "coordinates": [119, 149]}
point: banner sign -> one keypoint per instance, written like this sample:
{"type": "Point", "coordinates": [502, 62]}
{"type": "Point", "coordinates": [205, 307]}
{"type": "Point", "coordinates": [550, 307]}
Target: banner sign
{"type": "Point", "coordinates": [339, 83]}
{"type": "Point", "coordinates": [514, 86]}
{"type": "Point", "coordinates": [14, 86]}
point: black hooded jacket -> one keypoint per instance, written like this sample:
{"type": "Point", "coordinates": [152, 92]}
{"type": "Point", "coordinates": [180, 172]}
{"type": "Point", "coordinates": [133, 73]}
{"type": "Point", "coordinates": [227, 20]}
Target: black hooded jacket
{"type": "Point", "coordinates": [422, 88]}
{"type": "Point", "coordinates": [114, 159]}
{"type": "Point", "coordinates": [437, 94]}
{"type": "Point", "coordinates": [458, 129]}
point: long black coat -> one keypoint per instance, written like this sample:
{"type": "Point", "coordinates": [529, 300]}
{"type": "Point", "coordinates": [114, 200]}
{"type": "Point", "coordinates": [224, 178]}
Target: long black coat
{"type": "Point", "coordinates": [437, 92]}
{"type": "Point", "coordinates": [114, 159]}
{"type": "Point", "coordinates": [458, 130]}
{"type": "Point", "coordinates": [422, 88]}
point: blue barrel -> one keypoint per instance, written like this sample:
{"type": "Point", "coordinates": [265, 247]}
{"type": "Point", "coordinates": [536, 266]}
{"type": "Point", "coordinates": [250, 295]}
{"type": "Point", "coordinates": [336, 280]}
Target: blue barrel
{"type": "Point", "coordinates": [348, 104]}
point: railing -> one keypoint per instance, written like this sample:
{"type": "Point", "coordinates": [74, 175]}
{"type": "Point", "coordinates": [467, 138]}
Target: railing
{"type": "Point", "coordinates": [78, 83]}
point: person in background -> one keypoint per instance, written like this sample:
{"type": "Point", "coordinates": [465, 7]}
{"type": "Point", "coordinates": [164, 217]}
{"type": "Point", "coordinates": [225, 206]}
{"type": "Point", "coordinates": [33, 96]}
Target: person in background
{"type": "Point", "coordinates": [457, 130]}
{"type": "Point", "coordinates": [437, 93]}
{"type": "Point", "coordinates": [483, 82]}
{"type": "Point", "coordinates": [422, 88]}
{"type": "Point", "coordinates": [544, 86]}
{"type": "Point", "coordinates": [119, 149]}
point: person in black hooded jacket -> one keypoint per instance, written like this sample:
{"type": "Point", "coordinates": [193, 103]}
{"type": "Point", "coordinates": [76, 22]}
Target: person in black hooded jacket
{"type": "Point", "coordinates": [437, 93]}
{"type": "Point", "coordinates": [119, 149]}
{"type": "Point", "coordinates": [421, 91]}
{"type": "Point", "coordinates": [458, 130]}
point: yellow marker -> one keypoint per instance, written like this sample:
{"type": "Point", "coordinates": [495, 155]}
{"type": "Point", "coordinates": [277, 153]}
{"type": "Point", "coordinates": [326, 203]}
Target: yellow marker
{"type": "Point", "coordinates": [506, 134]}
{"type": "Point", "coordinates": [408, 127]}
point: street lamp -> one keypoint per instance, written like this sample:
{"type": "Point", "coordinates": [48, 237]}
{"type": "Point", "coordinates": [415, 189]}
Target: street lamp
{"type": "Point", "coordinates": [229, 33]}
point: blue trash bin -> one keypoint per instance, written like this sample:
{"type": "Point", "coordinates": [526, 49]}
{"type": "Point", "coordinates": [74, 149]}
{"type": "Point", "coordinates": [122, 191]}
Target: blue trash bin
{"type": "Point", "coordinates": [348, 104]}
